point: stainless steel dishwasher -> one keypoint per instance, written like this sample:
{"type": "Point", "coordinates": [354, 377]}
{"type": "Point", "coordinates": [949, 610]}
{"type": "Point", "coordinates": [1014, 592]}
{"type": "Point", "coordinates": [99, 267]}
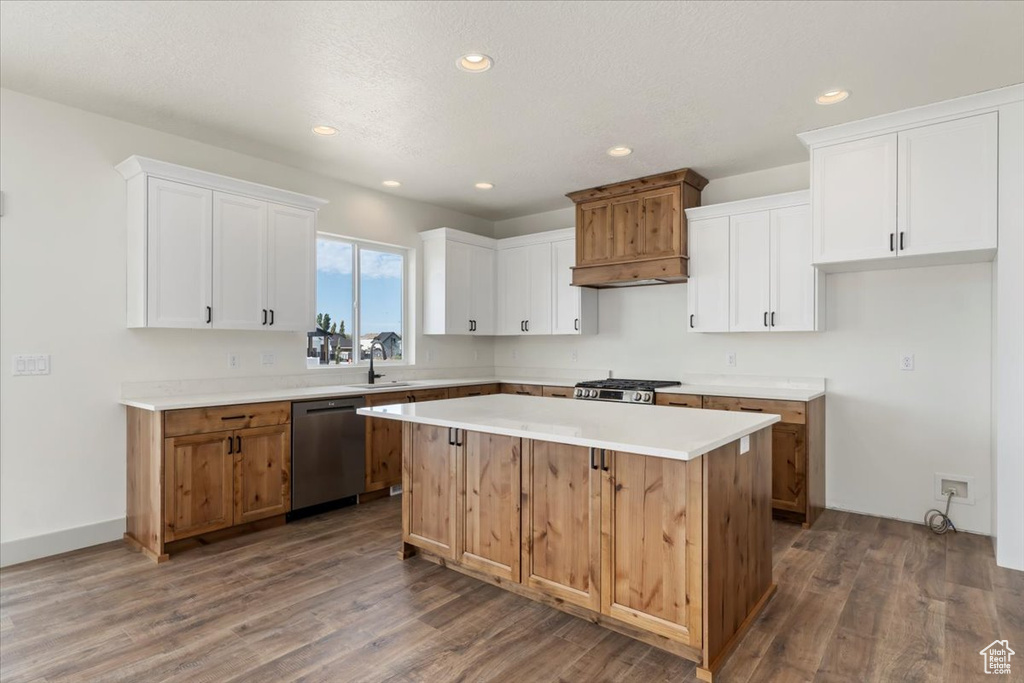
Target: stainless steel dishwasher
{"type": "Point", "coordinates": [328, 452]}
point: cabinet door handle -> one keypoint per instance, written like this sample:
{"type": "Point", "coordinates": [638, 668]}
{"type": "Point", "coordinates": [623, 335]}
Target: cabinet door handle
{"type": "Point", "coordinates": [209, 315]}
{"type": "Point", "coordinates": [527, 325]}
{"type": "Point", "coordinates": [238, 448]}
{"type": "Point", "coordinates": [773, 318]}
{"type": "Point", "coordinates": [451, 439]}
{"type": "Point", "coordinates": [766, 318]}
{"type": "Point", "coordinates": [892, 243]}
{"type": "Point", "coordinates": [576, 324]}
{"type": "Point", "coordinates": [231, 445]}
{"type": "Point", "coordinates": [901, 241]}
{"type": "Point", "coordinates": [604, 463]}
{"type": "Point", "coordinates": [458, 436]}
{"type": "Point", "coordinates": [264, 316]}
{"type": "Point", "coordinates": [593, 459]}
{"type": "Point", "coordinates": [271, 316]}
{"type": "Point", "coordinates": [691, 321]}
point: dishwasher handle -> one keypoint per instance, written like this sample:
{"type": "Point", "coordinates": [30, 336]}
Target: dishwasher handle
{"type": "Point", "coordinates": [332, 406]}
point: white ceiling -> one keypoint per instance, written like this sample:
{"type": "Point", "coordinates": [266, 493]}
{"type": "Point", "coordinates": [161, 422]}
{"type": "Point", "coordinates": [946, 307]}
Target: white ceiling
{"type": "Point", "coordinates": [718, 86]}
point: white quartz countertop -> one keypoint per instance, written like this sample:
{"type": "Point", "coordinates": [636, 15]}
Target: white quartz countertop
{"type": "Point", "coordinates": [662, 431]}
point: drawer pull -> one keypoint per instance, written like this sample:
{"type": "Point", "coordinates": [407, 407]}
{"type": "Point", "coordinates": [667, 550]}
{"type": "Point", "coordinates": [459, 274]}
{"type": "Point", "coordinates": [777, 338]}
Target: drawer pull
{"type": "Point", "coordinates": [752, 410]}
{"type": "Point", "coordinates": [233, 417]}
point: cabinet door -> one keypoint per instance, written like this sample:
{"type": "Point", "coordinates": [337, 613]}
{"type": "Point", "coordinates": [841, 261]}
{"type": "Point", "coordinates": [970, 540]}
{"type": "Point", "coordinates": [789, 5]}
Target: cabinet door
{"type": "Point", "coordinates": [291, 269]}
{"type": "Point", "coordinates": [661, 222]}
{"type": "Point", "coordinates": [458, 285]}
{"type": "Point", "coordinates": [794, 281]}
{"type": "Point", "coordinates": [197, 484]}
{"type": "Point", "coordinates": [789, 467]}
{"type": "Point", "coordinates": [596, 242]}
{"type": "Point", "coordinates": [489, 504]}
{"type": "Point", "coordinates": [707, 289]}
{"type": "Point", "coordinates": [565, 299]}
{"type": "Point", "coordinates": [562, 523]}
{"type": "Point", "coordinates": [748, 272]}
{"type": "Point", "coordinates": [651, 565]}
{"type": "Point", "coordinates": [383, 445]}
{"type": "Point", "coordinates": [180, 265]}
{"type": "Point", "coordinates": [625, 224]}
{"type": "Point", "coordinates": [262, 467]}
{"type": "Point", "coordinates": [429, 476]}
{"type": "Point", "coordinates": [538, 283]}
{"type": "Point", "coordinates": [481, 290]}
{"type": "Point", "coordinates": [513, 290]}
{"type": "Point", "coordinates": [239, 262]}
{"type": "Point", "coordinates": [853, 200]}
{"type": "Point", "coordinates": [948, 183]}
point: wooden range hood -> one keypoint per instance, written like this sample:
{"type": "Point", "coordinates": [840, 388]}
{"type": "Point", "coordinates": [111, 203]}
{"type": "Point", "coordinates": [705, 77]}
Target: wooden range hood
{"type": "Point", "coordinates": [634, 232]}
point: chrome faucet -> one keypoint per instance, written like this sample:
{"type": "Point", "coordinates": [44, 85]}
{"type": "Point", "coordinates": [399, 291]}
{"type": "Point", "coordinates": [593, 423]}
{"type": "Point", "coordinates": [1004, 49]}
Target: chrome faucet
{"type": "Point", "coordinates": [383, 356]}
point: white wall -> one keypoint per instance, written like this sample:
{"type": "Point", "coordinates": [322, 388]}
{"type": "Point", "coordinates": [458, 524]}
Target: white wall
{"type": "Point", "coordinates": [62, 292]}
{"type": "Point", "coordinates": [888, 432]}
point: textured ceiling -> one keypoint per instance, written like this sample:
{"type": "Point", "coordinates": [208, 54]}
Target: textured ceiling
{"type": "Point", "coordinates": [718, 86]}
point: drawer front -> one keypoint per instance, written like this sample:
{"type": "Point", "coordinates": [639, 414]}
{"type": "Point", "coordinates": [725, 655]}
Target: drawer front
{"type": "Point", "coordinates": [792, 412]}
{"type": "Point", "coordinates": [473, 390]}
{"type": "Point", "coordinates": [226, 418]}
{"type": "Point", "coordinates": [387, 398]}
{"type": "Point", "coordinates": [679, 400]}
{"type": "Point", "coordinates": [429, 395]}
{"type": "Point", "coordinates": [522, 389]}
{"type": "Point", "coordinates": [558, 392]}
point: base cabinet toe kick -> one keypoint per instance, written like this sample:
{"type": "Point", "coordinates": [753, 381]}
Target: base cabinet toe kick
{"type": "Point", "coordinates": [675, 553]}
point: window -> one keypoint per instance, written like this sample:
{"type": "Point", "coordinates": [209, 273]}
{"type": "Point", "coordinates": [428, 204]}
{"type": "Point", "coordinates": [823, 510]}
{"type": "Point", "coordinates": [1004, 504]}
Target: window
{"type": "Point", "coordinates": [360, 303]}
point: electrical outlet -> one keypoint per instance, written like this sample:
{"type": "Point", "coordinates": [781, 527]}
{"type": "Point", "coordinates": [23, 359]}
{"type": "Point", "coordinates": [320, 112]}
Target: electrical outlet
{"type": "Point", "coordinates": [906, 361]}
{"type": "Point", "coordinates": [267, 358]}
{"type": "Point", "coordinates": [234, 362]}
{"type": "Point", "coordinates": [730, 359]}
{"type": "Point", "coordinates": [574, 355]}
{"type": "Point", "coordinates": [963, 487]}
{"type": "Point", "coordinates": [476, 355]}
{"type": "Point", "coordinates": [30, 365]}
{"type": "Point", "coordinates": [430, 355]}
{"type": "Point", "coordinates": [515, 354]}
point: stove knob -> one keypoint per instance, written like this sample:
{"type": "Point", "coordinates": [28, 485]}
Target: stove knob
{"type": "Point", "coordinates": [637, 396]}
{"type": "Point", "coordinates": [647, 396]}
{"type": "Point", "coordinates": [576, 393]}
{"type": "Point", "coordinates": [593, 393]}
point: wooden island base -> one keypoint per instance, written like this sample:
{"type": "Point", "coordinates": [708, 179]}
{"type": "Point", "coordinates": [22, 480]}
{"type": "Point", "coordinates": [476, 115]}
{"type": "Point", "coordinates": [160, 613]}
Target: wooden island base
{"type": "Point", "coordinates": [674, 553]}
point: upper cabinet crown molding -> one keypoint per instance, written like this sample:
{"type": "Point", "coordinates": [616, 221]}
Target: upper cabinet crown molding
{"type": "Point", "coordinates": [136, 165]}
{"type": "Point", "coordinates": [775, 201]}
{"type": "Point", "coordinates": [979, 103]}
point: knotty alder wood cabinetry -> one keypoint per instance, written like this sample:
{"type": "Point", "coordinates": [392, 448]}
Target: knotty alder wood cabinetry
{"type": "Point", "coordinates": [634, 231]}
{"type": "Point", "coordinates": [203, 470]}
{"type": "Point", "coordinates": [384, 437]}
{"type": "Point", "coordinates": [674, 553]}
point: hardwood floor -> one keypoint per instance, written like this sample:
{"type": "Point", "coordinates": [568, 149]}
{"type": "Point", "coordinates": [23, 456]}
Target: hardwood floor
{"type": "Point", "coordinates": [325, 599]}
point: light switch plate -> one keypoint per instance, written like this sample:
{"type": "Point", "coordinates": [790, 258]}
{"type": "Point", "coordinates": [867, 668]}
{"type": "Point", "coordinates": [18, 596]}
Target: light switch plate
{"type": "Point", "coordinates": [35, 364]}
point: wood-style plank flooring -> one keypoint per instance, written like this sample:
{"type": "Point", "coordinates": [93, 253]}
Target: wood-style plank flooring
{"type": "Point", "coordinates": [326, 599]}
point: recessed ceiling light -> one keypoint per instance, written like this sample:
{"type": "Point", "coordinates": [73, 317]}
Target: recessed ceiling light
{"type": "Point", "coordinates": [391, 183]}
{"type": "Point", "coordinates": [474, 62]}
{"type": "Point", "coordinates": [484, 186]}
{"type": "Point", "coordinates": [832, 96]}
{"type": "Point", "coordinates": [325, 130]}
{"type": "Point", "coordinates": [620, 151]}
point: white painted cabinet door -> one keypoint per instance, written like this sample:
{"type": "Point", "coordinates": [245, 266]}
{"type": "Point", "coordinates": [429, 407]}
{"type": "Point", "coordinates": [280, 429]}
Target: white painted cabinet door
{"type": "Point", "coordinates": [853, 187]}
{"type": "Point", "coordinates": [458, 286]}
{"type": "Point", "coordinates": [538, 282]}
{"type": "Point", "coordinates": [180, 271]}
{"type": "Point", "coordinates": [793, 278]}
{"type": "Point", "coordinates": [565, 299]}
{"type": "Point", "coordinates": [748, 272]}
{"type": "Point", "coordinates": [707, 288]}
{"type": "Point", "coordinates": [239, 262]}
{"type": "Point", "coordinates": [481, 278]}
{"type": "Point", "coordinates": [291, 268]}
{"type": "Point", "coordinates": [948, 183]}
{"type": "Point", "coordinates": [513, 290]}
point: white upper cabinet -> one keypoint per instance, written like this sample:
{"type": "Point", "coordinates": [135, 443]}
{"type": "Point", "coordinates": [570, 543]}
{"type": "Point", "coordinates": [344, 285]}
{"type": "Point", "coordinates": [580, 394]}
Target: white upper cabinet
{"type": "Point", "coordinates": [853, 187]}
{"type": "Point", "coordinates": [750, 267]}
{"type": "Point", "coordinates": [209, 251]}
{"type": "Point", "coordinates": [707, 288]}
{"type": "Point", "coordinates": [170, 263]}
{"type": "Point", "coordinates": [574, 309]}
{"type": "Point", "coordinates": [947, 190]}
{"type": "Point", "coordinates": [458, 283]}
{"type": "Point", "coordinates": [525, 289]}
{"type": "Point", "coordinates": [481, 293]}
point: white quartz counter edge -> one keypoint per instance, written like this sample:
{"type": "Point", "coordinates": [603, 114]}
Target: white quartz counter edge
{"type": "Point", "coordinates": [344, 390]}
{"type": "Point", "coordinates": [660, 431]}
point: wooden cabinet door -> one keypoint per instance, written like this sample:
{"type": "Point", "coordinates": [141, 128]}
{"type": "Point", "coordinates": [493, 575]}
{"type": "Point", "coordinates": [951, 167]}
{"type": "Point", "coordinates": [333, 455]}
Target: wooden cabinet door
{"type": "Point", "coordinates": [490, 478]}
{"type": "Point", "coordinates": [789, 467]}
{"type": "Point", "coordinates": [707, 290]}
{"type": "Point", "coordinates": [948, 184]}
{"type": "Point", "coordinates": [198, 483]}
{"type": "Point", "coordinates": [595, 242]}
{"type": "Point", "coordinates": [291, 268]}
{"type": "Point", "coordinates": [749, 280]}
{"type": "Point", "coordinates": [794, 281]}
{"type": "Point", "coordinates": [651, 569]}
{"type": "Point", "coordinates": [383, 444]}
{"type": "Point", "coordinates": [561, 551]}
{"type": "Point", "coordinates": [239, 262]}
{"type": "Point", "coordinates": [853, 200]}
{"type": "Point", "coordinates": [429, 489]}
{"type": "Point", "coordinates": [627, 239]}
{"type": "Point", "coordinates": [179, 262]}
{"type": "Point", "coordinates": [565, 299]}
{"type": "Point", "coordinates": [262, 467]}
{"type": "Point", "coordinates": [660, 222]}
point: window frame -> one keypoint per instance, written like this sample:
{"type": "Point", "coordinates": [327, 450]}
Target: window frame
{"type": "Point", "coordinates": [357, 246]}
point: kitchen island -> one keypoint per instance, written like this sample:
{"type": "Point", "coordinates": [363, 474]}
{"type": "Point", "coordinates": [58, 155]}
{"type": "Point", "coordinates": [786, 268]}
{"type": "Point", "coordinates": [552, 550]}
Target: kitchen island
{"type": "Point", "coordinates": [649, 520]}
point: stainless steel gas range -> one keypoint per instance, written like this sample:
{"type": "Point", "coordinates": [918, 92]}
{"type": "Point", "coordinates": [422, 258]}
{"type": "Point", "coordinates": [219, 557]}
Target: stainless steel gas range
{"type": "Point", "coordinates": [638, 391]}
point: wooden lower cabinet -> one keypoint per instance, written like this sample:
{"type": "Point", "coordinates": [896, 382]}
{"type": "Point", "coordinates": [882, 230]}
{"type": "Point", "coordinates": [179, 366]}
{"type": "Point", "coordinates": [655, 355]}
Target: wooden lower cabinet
{"type": "Point", "coordinates": [262, 466]}
{"type": "Point", "coordinates": [474, 390]}
{"type": "Point", "coordinates": [384, 438]}
{"type": "Point", "coordinates": [429, 500]}
{"type": "Point", "coordinates": [198, 484]}
{"type": "Point", "coordinates": [488, 515]}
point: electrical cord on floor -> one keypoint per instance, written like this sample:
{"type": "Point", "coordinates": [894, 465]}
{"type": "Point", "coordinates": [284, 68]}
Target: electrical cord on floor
{"type": "Point", "coordinates": [939, 521]}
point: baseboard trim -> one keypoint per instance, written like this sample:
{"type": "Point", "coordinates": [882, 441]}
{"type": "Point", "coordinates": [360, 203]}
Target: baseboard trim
{"type": "Point", "coordinates": [57, 542]}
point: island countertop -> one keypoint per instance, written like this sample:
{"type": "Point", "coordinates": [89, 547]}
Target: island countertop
{"type": "Point", "coordinates": [661, 431]}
